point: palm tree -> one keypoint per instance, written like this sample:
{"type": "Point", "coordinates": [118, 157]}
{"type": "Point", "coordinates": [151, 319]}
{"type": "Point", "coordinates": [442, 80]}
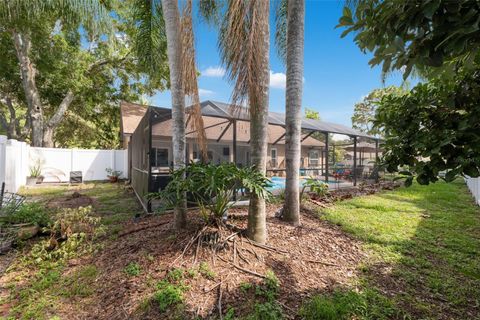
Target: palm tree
{"type": "Point", "coordinates": [294, 61]}
{"type": "Point", "coordinates": [244, 48]}
{"type": "Point", "coordinates": [20, 18]}
{"type": "Point", "coordinates": [160, 23]}
{"type": "Point", "coordinates": [171, 16]}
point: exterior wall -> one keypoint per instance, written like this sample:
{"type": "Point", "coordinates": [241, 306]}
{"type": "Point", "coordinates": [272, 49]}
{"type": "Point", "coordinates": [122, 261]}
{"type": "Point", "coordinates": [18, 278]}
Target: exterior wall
{"type": "Point", "coordinates": [215, 150]}
{"type": "Point", "coordinates": [16, 159]}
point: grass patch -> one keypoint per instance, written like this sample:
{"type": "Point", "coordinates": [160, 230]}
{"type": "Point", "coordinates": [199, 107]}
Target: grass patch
{"type": "Point", "coordinates": [80, 283]}
{"type": "Point", "coordinates": [430, 238]}
{"type": "Point", "coordinates": [344, 304]}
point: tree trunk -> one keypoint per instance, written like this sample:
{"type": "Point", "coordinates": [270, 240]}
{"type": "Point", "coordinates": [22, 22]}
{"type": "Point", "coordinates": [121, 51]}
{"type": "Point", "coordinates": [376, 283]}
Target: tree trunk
{"type": "Point", "coordinates": [49, 129]}
{"type": "Point", "coordinates": [293, 125]}
{"type": "Point", "coordinates": [28, 72]}
{"type": "Point", "coordinates": [257, 229]}
{"type": "Point", "coordinates": [171, 16]}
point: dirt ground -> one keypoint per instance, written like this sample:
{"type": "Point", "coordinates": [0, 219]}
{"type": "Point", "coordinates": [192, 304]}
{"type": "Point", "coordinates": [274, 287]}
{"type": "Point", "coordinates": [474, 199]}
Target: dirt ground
{"type": "Point", "coordinates": [315, 257]}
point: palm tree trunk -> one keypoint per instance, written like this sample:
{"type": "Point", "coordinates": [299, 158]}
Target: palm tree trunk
{"type": "Point", "coordinates": [295, 40]}
{"type": "Point", "coordinates": [258, 99]}
{"type": "Point", "coordinates": [171, 16]}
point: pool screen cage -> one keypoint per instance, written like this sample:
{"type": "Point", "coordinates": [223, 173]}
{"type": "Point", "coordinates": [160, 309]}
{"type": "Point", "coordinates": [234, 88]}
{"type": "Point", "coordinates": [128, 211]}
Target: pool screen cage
{"type": "Point", "coordinates": [228, 136]}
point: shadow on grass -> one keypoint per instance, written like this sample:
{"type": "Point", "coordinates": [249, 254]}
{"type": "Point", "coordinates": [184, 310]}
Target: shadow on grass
{"type": "Point", "coordinates": [426, 253]}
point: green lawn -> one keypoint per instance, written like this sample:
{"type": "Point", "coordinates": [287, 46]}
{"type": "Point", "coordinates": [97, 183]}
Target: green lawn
{"type": "Point", "coordinates": [424, 248]}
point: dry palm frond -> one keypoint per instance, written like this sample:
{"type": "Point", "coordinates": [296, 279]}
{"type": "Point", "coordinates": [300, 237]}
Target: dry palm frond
{"type": "Point", "coordinates": [241, 49]}
{"type": "Point", "coordinates": [190, 79]}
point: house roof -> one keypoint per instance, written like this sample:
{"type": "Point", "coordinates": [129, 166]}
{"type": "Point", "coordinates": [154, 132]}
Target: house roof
{"type": "Point", "coordinates": [215, 113]}
{"type": "Point", "coordinates": [130, 116]}
{"type": "Point", "coordinates": [224, 110]}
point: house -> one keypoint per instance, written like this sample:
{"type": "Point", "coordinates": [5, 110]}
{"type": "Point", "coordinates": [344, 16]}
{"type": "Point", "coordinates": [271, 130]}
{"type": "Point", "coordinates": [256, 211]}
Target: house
{"type": "Point", "coordinates": [147, 133]}
{"type": "Point", "coordinates": [219, 132]}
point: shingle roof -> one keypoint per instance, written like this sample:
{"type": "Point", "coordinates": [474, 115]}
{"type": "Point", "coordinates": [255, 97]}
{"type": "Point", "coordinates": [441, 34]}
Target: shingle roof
{"type": "Point", "coordinates": [132, 113]}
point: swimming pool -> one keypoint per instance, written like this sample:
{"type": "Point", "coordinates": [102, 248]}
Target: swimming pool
{"type": "Point", "coordinates": [279, 183]}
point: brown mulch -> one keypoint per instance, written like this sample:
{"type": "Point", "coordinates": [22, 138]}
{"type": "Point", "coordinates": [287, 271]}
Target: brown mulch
{"type": "Point", "coordinates": [348, 193]}
{"type": "Point", "coordinates": [75, 200]}
{"type": "Point", "coordinates": [312, 258]}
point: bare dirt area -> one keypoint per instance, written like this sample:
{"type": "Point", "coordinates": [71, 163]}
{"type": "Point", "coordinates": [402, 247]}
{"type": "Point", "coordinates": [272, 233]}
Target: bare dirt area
{"type": "Point", "coordinates": [315, 257]}
{"type": "Point", "coordinates": [73, 200]}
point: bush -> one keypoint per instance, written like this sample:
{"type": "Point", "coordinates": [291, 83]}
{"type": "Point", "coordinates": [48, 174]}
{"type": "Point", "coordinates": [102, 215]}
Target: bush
{"type": "Point", "coordinates": [76, 221]}
{"type": "Point", "coordinates": [33, 212]}
{"type": "Point", "coordinates": [316, 186]}
{"type": "Point", "coordinates": [211, 187]}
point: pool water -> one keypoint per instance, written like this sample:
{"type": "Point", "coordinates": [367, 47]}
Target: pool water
{"type": "Point", "coordinates": [279, 183]}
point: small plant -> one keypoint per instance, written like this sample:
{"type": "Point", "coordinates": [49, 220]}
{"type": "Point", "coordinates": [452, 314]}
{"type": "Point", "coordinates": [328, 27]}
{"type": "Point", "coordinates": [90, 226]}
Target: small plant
{"type": "Point", "coordinates": [132, 269]}
{"type": "Point", "coordinates": [205, 271]}
{"type": "Point", "coordinates": [36, 170]}
{"type": "Point", "coordinates": [168, 294]}
{"type": "Point", "coordinates": [245, 286]}
{"type": "Point", "coordinates": [316, 186]}
{"type": "Point", "coordinates": [113, 175]}
{"type": "Point", "coordinates": [33, 213]}
{"type": "Point", "coordinates": [175, 275]}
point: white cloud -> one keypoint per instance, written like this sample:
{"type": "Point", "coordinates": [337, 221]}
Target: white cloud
{"type": "Point", "coordinates": [205, 92]}
{"type": "Point", "coordinates": [215, 72]}
{"type": "Point", "coordinates": [278, 80]}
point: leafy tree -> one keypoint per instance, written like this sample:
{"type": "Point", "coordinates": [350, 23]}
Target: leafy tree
{"type": "Point", "coordinates": [312, 114]}
{"type": "Point", "coordinates": [406, 34]}
{"type": "Point", "coordinates": [364, 111]}
{"type": "Point", "coordinates": [433, 128]}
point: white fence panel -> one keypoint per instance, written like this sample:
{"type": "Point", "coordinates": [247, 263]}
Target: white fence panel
{"type": "Point", "coordinates": [474, 187]}
{"type": "Point", "coordinates": [17, 158]}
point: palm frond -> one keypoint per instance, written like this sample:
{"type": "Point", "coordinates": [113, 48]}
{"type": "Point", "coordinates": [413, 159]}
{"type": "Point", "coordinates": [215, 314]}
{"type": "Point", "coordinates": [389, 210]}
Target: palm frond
{"type": "Point", "coordinates": [241, 50]}
{"type": "Point", "coordinates": [150, 43]}
{"type": "Point", "coordinates": [281, 29]}
{"type": "Point", "coordinates": [93, 14]}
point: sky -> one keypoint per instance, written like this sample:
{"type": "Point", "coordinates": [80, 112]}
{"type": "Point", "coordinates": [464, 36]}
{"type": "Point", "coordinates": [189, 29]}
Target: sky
{"type": "Point", "coordinates": [336, 72]}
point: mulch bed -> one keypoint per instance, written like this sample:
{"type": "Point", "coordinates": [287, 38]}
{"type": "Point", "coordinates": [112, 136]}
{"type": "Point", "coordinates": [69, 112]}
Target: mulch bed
{"type": "Point", "coordinates": [315, 257]}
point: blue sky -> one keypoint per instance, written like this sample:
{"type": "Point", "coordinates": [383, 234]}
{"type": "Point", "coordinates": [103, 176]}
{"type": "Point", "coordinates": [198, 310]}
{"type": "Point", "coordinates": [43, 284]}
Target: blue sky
{"type": "Point", "coordinates": [337, 74]}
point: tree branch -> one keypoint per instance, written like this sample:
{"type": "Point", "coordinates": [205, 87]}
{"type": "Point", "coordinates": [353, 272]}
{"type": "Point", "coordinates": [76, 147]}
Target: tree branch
{"type": "Point", "coordinates": [62, 108]}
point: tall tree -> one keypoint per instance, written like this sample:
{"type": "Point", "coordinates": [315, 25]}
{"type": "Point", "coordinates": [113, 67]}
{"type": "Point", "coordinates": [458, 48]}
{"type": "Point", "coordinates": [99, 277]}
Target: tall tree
{"type": "Point", "coordinates": [293, 118]}
{"type": "Point", "coordinates": [434, 127]}
{"type": "Point", "coordinates": [21, 19]}
{"type": "Point", "coordinates": [244, 49]}
{"type": "Point", "coordinates": [364, 111]}
{"type": "Point", "coordinates": [171, 15]}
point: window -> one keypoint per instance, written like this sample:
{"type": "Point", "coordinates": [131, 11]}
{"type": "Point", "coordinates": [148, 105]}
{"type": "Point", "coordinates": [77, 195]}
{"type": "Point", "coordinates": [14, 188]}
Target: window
{"type": "Point", "coordinates": [226, 151]}
{"type": "Point", "coordinates": [273, 157]}
{"type": "Point", "coordinates": [160, 157]}
{"type": "Point", "coordinates": [313, 158]}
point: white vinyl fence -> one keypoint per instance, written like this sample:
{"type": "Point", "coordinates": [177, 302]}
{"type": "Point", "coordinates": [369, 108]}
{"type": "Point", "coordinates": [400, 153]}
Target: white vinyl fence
{"type": "Point", "coordinates": [17, 158]}
{"type": "Point", "coordinates": [474, 186]}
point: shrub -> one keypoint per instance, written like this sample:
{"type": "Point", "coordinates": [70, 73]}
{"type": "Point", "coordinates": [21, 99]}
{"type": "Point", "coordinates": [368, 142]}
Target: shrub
{"type": "Point", "coordinates": [76, 221]}
{"type": "Point", "coordinates": [33, 212]}
{"type": "Point", "coordinates": [211, 187]}
{"type": "Point", "coordinates": [316, 186]}
{"type": "Point", "coordinates": [205, 271]}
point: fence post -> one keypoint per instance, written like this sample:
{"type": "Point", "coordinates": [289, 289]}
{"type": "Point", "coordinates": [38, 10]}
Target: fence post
{"type": "Point", "coordinates": [3, 158]}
